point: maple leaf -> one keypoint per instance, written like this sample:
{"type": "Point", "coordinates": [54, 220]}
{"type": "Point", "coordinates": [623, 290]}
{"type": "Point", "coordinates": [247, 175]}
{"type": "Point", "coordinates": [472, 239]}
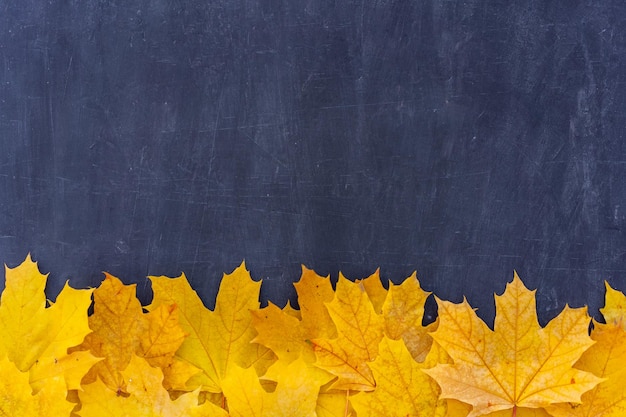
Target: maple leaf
{"type": "Point", "coordinates": [518, 364]}
{"type": "Point", "coordinates": [359, 331]}
{"type": "Point", "coordinates": [334, 403]}
{"type": "Point", "coordinates": [121, 330]}
{"type": "Point", "coordinates": [297, 387]}
{"type": "Point", "coordinates": [287, 332]}
{"type": "Point", "coordinates": [216, 339]}
{"type": "Point", "coordinates": [289, 310]}
{"type": "Point", "coordinates": [605, 359]}
{"type": "Point", "coordinates": [375, 291]}
{"type": "Point", "coordinates": [163, 336]}
{"type": "Point", "coordinates": [614, 310]}
{"type": "Point", "coordinates": [402, 389]}
{"type": "Point", "coordinates": [313, 292]}
{"type": "Point", "coordinates": [36, 338]}
{"type": "Point", "coordinates": [16, 398]}
{"type": "Point", "coordinates": [146, 398]}
{"type": "Point", "coordinates": [403, 312]}
{"type": "Point", "coordinates": [282, 332]}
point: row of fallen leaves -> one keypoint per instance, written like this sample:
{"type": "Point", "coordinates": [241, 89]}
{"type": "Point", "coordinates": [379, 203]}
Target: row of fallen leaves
{"type": "Point", "coordinates": [356, 350]}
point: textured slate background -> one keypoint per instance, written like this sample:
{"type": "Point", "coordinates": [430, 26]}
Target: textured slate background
{"type": "Point", "coordinates": [461, 139]}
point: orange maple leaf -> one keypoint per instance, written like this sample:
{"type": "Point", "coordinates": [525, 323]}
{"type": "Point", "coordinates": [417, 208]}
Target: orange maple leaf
{"type": "Point", "coordinates": [121, 330]}
{"type": "Point", "coordinates": [518, 364]}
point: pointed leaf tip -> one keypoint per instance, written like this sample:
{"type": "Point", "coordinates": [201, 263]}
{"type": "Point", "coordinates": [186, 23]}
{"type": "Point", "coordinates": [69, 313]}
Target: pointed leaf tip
{"type": "Point", "coordinates": [518, 364]}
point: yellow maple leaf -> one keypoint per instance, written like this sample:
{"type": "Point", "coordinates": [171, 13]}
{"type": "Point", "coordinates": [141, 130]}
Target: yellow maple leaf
{"type": "Point", "coordinates": [17, 399]}
{"type": "Point", "coordinates": [163, 336]}
{"type": "Point", "coordinates": [292, 311]}
{"type": "Point", "coordinates": [282, 332]}
{"type": "Point", "coordinates": [334, 403]}
{"type": "Point", "coordinates": [313, 292]}
{"type": "Point", "coordinates": [297, 387]}
{"type": "Point", "coordinates": [375, 290]}
{"type": "Point", "coordinates": [614, 308]}
{"type": "Point", "coordinates": [146, 398]}
{"type": "Point", "coordinates": [517, 365]}
{"type": "Point", "coordinates": [161, 339]}
{"type": "Point", "coordinates": [402, 389]}
{"type": "Point", "coordinates": [403, 312]}
{"type": "Point", "coordinates": [359, 331]}
{"type": "Point", "coordinates": [286, 331]}
{"type": "Point", "coordinates": [605, 359]}
{"type": "Point", "coordinates": [220, 338]}
{"type": "Point", "coordinates": [121, 330]}
{"type": "Point", "coordinates": [36, 338]}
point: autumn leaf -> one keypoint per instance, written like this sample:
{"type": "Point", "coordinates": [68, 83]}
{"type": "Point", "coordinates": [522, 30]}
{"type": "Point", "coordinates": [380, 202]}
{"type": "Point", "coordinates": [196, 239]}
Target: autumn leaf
{"type": "Point", "coordinates": [375, 291]}
{"type": "Point", "coordinates": [402, 389]}
{"type": "Point", "coordinates": [283, 333]}
{"type": "Point", "coordinates": [286, 331]}
{"type": "Point", "coordinates": [357, 351]}
{"type": "Point", "coordinates": [117, 323]}
{"type": "Point", "coordinates": [121, 330]}
{"type": "Point", "coordinates": [403, 313]}
{"type": "Point", "coordinates": [73, 367]}
{"type": "Point", "coordinates": [146, 398]}
{"type": "Point", "coordinates": [614, 310]}
{"type": "Point", "coordinates": [162, 337]}
{"type": "Point", "coordinates": [297, 388]}
{"type": "Point", "coordinates": [293, 312]}
{"type": "Point", "coordinates": [289, 332]}
{"type": "Point", "coordinates": [244, 393]}
{"type": "Point", "coordinates": [359, 331]}
{"type": "Point", "coordinates": [35, 337]}
{"type": "Point", "coordinates": [17, 399]}
{"type": "Point", "coordinates": [313, 292]}
{"type": "Point", "coordinates": [22, 314]}
{"type": "Point", "coordinates": [334, 403]}
{"type": "Point", "coordinates": [216, 339]}
{"type": "Point", "coordinates": [518, 364]}
{"type": "Point", "coordinates": [605, 359]}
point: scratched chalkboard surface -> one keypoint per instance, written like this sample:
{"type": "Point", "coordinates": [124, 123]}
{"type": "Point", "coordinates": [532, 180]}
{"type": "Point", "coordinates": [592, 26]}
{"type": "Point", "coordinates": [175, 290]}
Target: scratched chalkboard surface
{"type": "Point", "coordinates": [462, 139]}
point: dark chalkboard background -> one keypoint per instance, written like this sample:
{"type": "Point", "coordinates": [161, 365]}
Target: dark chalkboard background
{"type": "Point", "coordinates": [462, 139]}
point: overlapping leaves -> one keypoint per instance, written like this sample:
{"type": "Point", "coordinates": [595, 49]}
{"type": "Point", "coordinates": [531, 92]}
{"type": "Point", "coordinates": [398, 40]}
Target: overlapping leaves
{"type": "Point", "coordinates": [355, 349]}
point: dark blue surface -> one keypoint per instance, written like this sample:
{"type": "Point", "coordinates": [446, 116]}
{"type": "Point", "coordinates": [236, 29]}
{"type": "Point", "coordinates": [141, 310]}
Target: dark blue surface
{"type": "Point", "coordinates": [461, 139]}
